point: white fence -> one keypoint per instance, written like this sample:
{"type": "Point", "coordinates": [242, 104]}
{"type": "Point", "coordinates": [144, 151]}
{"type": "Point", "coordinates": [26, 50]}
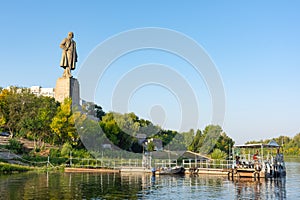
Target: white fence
{"type": "Point", "coordinates": [118, 163]}
{"type": "Point", "coordinates": [213, 164]}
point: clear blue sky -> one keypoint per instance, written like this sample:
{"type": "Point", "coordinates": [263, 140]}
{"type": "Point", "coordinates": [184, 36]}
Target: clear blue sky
{"type": "Point", "coordinates": [255, 46]}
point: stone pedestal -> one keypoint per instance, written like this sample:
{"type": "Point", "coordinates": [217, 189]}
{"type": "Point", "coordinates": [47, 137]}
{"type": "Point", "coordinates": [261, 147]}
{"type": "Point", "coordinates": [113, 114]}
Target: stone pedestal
{"type": "Point", "coordinates": [67, 88]}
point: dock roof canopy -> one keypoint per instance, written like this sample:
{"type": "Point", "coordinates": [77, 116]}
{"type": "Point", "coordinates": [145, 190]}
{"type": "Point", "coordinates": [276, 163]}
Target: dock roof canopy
{"type": "Point", "coordinates": [271, 144]}
{"type": "Point", "coordinates": [193, 155]}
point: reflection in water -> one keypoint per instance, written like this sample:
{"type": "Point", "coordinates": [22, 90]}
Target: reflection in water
{"type": "Point", "coordinates": [129, 186]}
{"type": "Point", "coordinates": [141, 186]}
{"type": "Point", "coordinates": [260, 189]}
{"type": "Point", "coordinates": [186, 187]}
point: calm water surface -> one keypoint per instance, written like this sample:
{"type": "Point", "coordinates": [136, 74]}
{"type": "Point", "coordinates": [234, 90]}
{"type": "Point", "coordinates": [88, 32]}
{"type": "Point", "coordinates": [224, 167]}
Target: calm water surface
{"type": "Point", "coordinates": [120, 186]}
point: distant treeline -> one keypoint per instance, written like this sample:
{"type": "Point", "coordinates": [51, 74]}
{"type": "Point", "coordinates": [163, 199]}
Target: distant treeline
{"type": "Point", "coordinates": [290, 145]}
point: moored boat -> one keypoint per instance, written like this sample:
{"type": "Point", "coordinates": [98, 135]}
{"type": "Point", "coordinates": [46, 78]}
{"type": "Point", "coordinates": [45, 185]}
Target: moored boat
{"type": "Point", "coordinates": [170, 170]}
{"type": "Point", "coordinates": [258, 161]}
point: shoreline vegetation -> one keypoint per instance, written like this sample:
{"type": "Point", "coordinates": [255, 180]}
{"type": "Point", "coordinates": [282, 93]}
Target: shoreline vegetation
{"type": "Point", "coordinates": [7, 168]}
{"type": "Point", "coordinates": [40, 127]}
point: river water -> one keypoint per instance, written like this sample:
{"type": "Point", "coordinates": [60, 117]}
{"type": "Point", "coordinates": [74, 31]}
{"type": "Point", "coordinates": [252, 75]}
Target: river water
{"type": "Point", "coordinates": [138, 186]}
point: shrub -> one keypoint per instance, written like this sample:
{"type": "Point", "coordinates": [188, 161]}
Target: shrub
{"type": "Point", "coordinates": [218, 154]}
{"type": "Point", "coordinates": [15, 146]}
{"type": "Point", "coordinates": [54, 153]}
{"type": "Point", "coordinates": [10, 168]}
{"type": "Point", "coordinates": [66, 149]}
{"type": "Point", "coordinates": [81, 153]}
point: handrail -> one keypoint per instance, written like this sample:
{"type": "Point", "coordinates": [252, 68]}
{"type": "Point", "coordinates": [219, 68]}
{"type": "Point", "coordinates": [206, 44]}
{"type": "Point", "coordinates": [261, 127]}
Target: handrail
{"type": "Point", "coordinates": [214, 164]}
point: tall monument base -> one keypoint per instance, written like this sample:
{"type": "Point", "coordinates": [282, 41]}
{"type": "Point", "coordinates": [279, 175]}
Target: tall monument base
{"type": "Point", "coordinates": [67, 88]}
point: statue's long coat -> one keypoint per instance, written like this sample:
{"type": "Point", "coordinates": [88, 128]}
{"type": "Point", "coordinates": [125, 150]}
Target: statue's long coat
{"type": "Point", "coordinates": [69, 54]}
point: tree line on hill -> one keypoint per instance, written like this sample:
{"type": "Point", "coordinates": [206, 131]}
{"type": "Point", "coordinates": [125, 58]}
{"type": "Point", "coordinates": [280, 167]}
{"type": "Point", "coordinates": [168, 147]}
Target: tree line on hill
{"type": "Point", "coordinates": [43, 119]}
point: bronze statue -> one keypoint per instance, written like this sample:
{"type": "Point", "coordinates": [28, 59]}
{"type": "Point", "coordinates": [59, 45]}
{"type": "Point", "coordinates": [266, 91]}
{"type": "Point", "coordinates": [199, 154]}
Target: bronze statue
{"type": "Point", "coordinates": [69, 55]}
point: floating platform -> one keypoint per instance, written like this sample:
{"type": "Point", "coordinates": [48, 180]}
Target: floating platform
{"type": "Point", "coordinates": [129, 169]}
{"type": "Point", "coordinates": [247, 173]}
{"type": "Point", "coordinates": [210, 171]}
{"type": "Point", "coordinates": [92, 170]}
{"type": "Point", "coordinates": [135, 170]}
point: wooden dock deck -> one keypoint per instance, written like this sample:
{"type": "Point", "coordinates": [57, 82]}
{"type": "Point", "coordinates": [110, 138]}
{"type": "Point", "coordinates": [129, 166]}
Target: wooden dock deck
{"type": "Point", "coordinates": [91, 170]}
{"type": "Point", "coordinates": [129, 169]}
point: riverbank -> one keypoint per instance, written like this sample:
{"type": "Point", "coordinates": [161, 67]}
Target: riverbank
{"type": "Point", "coordinates": [7, 168]}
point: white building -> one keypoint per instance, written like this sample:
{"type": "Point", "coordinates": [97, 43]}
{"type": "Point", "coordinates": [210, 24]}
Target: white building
{"type": "Point", "coordinates": [39, 91]}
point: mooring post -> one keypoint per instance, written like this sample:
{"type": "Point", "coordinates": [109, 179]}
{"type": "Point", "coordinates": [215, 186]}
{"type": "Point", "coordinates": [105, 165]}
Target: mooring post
{"type": "Point", "coordinates": [70, 158]}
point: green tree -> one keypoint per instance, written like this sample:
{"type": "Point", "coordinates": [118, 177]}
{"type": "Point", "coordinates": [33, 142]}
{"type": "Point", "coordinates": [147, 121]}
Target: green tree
{"type": "Point", "coordinates": [11, 110]}
{"type": "Point", "coordinates": [110, 128]}
{"type": "Point", "coordinates": [63, 124]}
{"type": "Point", "coordinates": [114, 133]}
{"type": "Point", "coordinates": [196, 143]}
{"type": "Point", "coordinates": [46, 112]}
{"type": "Point", "coordinates": [188, 138]}
{"type": "Point", "coordinates": [212, 137]}
{"type": "Point", "coordinates": [128, 123]}
{"type": "Point", "coordinates": [4, 112]}
{"type": "Point", "coordinates": [89, 131]}
{"type": "Point", "coordinates": [36, 123]}
{"type": "Point", "coordinates": [224, 143]}
{"type": "Point", "coordinates": [122, 129]}
{"type": "Point", "coordinates": [66, 149]}
{"type": "Point", "coordinates": [25, 114]}
{"type": "Point", "coordinates": [150, 146]}
{"type": "Point", "coordinates": [218, 154]}
{"type": "Point", "coordinates": [18, 110]}
{"type": "Point", "coordinates": [166, 136]}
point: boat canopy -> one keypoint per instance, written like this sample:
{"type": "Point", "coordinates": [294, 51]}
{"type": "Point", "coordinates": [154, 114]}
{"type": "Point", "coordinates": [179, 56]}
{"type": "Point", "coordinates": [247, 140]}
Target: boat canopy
{"type": "Point", "coordinates": [271, 144]}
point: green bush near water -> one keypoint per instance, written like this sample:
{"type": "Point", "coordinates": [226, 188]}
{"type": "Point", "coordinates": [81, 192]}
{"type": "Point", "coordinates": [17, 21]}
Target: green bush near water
{"type": "Point", "coordinates": [6, 168]}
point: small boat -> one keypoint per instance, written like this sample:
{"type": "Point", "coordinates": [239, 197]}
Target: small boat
{"type": "Point", "coordinates": [258, 161]}
{"type": "Point", "coordinates": [170, 170]}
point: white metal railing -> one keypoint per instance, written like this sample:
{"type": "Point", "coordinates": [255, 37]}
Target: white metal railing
{"type": "Point", "coordinates": [214, 164]}
{"type": "Point", "coordinates": [165, 163]}
{"type": "Point", "coordinates": [105, 163]}
{"type": "Point", "coordinates": [118, 163]}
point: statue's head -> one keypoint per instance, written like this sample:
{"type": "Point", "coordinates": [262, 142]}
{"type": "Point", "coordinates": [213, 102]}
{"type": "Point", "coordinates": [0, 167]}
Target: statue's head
{"type": "Point", "coordinates": [70, 35]}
